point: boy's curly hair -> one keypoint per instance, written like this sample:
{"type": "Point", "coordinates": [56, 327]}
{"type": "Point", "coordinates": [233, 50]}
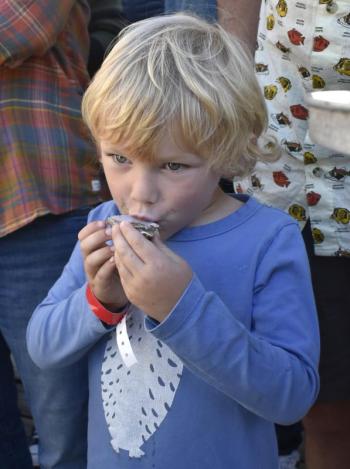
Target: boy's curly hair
{"type": "Point", "coordinates": [181, 73]}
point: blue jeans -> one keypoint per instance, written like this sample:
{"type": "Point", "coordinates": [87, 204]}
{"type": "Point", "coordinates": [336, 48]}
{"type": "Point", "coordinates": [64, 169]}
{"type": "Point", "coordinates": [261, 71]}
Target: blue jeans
{"type": "Point", "coordinates": [204, 8]}
{"type": "Point", "coordinates": [14, 453]}
{"type": "Point", "coordinates": [136, 10]}
{"type": "Point", "coordinates": [31, 259]}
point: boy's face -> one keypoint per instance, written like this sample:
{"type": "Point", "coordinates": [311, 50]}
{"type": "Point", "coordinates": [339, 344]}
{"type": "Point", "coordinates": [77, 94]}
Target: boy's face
{"type": "Point", "coordinates": [175, 190]}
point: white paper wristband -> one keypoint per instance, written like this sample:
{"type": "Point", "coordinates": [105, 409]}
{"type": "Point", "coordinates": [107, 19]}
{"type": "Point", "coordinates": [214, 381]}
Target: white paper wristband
{"type": "Point", "coordinates": [124, 345]}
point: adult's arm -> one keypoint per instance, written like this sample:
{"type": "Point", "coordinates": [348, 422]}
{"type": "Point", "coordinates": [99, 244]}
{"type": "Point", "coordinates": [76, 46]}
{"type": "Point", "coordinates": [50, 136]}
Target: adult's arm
{"type": "Point", "coordinates": [240, 17]}
{"type": "Point", "coordinates": [29, 28]}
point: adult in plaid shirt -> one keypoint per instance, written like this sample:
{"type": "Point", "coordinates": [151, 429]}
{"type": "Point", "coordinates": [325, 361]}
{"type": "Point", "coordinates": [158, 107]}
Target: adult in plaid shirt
{"type": "Point", "coordinates": [48, 181]}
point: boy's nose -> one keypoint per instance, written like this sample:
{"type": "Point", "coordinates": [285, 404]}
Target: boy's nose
{"type": "Point", "coordinates": [144, 188]}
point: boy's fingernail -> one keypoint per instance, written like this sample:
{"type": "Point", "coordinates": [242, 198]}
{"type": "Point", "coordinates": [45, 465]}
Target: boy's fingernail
{"type": "Point", "coordinates": [108, 231]}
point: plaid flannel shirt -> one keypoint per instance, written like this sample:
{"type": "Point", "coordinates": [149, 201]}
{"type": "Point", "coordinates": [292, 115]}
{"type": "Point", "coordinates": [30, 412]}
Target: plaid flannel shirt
{"type": "Point", "coordinates": [48, 162]}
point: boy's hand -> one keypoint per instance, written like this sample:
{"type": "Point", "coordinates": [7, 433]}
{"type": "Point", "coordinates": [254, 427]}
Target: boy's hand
{"type": "Point", "coordinates": [100, 267]}
{"type": "Point", "coordinates": [153, 277]}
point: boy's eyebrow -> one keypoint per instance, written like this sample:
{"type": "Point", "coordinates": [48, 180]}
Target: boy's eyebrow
{"type": "Point", "coordinates": [167, 157]}
{"type": "Point", "coordinates": [171, 157]}
{"type": "Point", "coordinates": [112, 149]}
{"type": "Point", "coordinates": [108, 146]}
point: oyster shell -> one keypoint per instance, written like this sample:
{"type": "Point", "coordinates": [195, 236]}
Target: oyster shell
{"type": "Point", "coordinates": [147, 229]}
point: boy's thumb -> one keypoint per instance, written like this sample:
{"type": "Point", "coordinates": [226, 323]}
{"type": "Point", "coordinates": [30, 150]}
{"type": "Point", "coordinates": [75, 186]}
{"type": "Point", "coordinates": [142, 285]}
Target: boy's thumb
{"type": "Point", "coordinates": [162, 247]}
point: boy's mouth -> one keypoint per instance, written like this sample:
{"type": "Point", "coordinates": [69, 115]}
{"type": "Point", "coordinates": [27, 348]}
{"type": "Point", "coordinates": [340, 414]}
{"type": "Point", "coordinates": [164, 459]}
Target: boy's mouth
{"type": "Point", "coordinates": [146, 219]}
{"type": "Point", "coordinates": [143, 218]}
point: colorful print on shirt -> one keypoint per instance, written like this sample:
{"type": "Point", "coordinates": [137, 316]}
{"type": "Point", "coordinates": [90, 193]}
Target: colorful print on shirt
{"type": "Point", "coordinates": [304, 46]}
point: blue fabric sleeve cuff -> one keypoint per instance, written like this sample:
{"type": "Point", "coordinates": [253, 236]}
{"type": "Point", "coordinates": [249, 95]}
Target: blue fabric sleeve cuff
{"type": "Point", "coordinates": [180, 313]}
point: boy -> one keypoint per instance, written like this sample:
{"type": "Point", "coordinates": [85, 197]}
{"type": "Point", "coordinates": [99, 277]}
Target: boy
{"type": "Point", "coordinates": [219, 338]}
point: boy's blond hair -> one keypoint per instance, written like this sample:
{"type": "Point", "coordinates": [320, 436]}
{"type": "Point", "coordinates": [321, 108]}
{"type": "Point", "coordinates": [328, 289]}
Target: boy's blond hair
{"type": "Point", "coordinates": [178, 72]}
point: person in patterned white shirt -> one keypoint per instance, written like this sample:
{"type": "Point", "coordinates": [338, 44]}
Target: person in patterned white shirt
{"type": "Point", "coordinates": [304, 46]}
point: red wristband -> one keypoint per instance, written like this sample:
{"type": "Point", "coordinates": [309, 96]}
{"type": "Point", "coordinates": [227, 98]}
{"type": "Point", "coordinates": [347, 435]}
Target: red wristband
{"type": "Point", "coordinates": [101, 312]}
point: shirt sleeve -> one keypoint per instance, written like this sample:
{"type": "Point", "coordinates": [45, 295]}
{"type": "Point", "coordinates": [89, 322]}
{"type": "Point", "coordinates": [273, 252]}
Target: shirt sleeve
{"type": "Point", "coordinates": [30, 28]}
{"type": "Point", "coordinates": [63, 328]}
{"type": "Point", "coordinates": [270, 368]}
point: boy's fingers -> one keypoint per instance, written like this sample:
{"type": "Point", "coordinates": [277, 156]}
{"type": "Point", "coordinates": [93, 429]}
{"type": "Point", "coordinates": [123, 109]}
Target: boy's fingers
{"type": "Point", "coordinates": [96, 259]}
{"type": "Point", "coordinates": [90, 228]}
{"type": "Point", "coordinates": [95, 240]}
{"type": "Point", "coordinates": [123, 271]}
{"type": "Point", "coordinates": [106, 270]}
{"type": "Point", "coordinates": [125, 255]}
{"type": "Point", "coordinates": [144, 249]}
{"type": "Point", "coordinates": [162, 247]}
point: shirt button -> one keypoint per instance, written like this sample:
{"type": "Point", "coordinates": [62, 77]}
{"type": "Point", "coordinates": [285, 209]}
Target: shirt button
{"type": "Point", "coordinates": [332, 7]}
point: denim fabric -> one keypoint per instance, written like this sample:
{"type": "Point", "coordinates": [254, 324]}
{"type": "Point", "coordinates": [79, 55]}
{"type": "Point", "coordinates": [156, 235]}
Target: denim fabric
{"type": "Point", "coordinates": [137, 10]}
{"type": "Point", "coordinates": [289, 438]}
{"type": "Point", "coordinates": [31, 259]}
{"type": "Point", "coordinates": [14, 453]}
{"type": "Point", "coordinates": [204, 8]}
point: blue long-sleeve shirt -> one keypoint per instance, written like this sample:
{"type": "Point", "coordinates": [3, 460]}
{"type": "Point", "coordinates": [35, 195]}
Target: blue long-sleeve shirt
{"type": "Point", "coordinates": [238, 351]}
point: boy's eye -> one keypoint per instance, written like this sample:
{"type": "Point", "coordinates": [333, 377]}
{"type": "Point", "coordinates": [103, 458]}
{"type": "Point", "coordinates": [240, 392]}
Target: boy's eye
{"type": "Point", "coordinates": [118, 158]}
{"type": "Point", "coordinates": [174, 166]}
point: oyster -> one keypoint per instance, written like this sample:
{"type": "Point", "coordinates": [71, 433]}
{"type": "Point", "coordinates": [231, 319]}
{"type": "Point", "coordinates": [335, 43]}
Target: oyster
{"type": "Point", "coordinates": [146, 228]}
